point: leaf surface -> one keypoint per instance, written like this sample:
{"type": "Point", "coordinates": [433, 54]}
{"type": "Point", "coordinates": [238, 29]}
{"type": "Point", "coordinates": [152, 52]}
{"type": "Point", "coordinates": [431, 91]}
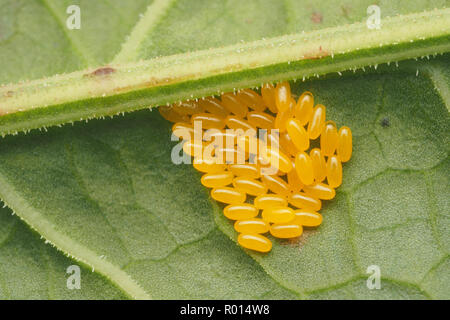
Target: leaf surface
{"type": "Point", "coordinates": [30, 269]}
{"type": "Point", "coordinates": [106, 192]}
{"type": "Point", "coordinates": [109, 194]}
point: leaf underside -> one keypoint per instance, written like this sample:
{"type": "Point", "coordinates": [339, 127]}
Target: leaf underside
{"type": "Point", "coordinates": [107, 194]}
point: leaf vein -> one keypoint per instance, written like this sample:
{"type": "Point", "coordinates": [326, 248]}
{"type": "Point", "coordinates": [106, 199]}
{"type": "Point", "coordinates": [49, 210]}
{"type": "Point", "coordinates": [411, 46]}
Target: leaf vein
{"type": "Point", "coordinates": [87, 58]}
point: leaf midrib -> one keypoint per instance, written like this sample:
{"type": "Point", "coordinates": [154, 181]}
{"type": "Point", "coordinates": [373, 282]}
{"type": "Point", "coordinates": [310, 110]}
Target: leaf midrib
{"type": "Point", "coordinates": [151, 18]}
{"type": "Point", "coordinates": [160, 72]}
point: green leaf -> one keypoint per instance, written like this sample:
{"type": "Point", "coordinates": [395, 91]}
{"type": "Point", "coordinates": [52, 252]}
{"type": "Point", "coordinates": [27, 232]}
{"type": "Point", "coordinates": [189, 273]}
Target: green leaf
{"type": "Point", "coordinates": [29, 269]}
{"type": "Point", "coordinates": [107, 194]}
{"type": "Point", "coordinates": [111, 190]}
{"type": "Point", "coordinates": [37, 29]}
{"type": "Point", "coordinates": [130, 86]}
{"type": "Point", "coordinates": [122, 207]}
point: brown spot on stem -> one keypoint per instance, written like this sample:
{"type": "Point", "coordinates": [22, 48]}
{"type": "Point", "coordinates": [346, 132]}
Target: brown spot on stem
{"type": "Point", "coordinates": [102, 71]}
{"type": "Point", "coordinates": [316, 17]}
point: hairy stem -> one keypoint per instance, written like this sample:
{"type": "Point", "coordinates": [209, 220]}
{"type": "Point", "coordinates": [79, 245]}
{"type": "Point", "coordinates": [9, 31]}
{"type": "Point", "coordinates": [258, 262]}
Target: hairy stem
{"type": "Point", "coordinates": [125, 87]}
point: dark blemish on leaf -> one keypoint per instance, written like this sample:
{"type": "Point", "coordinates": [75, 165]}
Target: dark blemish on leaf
{"type": "Point", "coordinates": [385, 122]}
{"type": "Point", "coordinates": [345, 11]}
{"type": "Point", "coordinates": [316, 17]}
{"type": "Point", "coordinates": [102, 71]}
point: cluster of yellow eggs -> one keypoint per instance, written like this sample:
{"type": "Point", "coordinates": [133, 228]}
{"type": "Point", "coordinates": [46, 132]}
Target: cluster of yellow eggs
{"type": "Point", "coordinates": [280, 176]}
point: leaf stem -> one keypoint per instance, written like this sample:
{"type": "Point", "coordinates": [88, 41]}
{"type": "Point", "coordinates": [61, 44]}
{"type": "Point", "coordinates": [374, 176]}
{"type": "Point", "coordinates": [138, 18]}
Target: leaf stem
{"type": "Point", "coordinates": [125, 87]}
